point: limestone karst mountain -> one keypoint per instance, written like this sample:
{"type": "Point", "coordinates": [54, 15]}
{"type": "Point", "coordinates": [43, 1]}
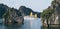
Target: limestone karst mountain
{"type": "Point", "coordinates": [51, 15]}
{"type": "Point", "coordinates": [3, 9]}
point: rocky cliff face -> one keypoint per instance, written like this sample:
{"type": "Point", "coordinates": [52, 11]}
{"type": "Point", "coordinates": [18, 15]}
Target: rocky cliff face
{"type": "Point", "coordinates": [56, 6]}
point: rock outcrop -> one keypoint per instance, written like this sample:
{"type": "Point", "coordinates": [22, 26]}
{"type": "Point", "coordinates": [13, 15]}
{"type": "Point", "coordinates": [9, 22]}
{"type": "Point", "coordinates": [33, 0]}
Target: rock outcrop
{"type": "Point", "coordinates": [12, 15]}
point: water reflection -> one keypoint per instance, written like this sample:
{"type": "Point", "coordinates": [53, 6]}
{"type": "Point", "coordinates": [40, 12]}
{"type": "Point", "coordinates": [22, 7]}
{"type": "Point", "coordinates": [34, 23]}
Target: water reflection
{"type": "Point", "coordinates": [28, 24]}
{"type": "Point", "coordinates": [12, 26]}
{"type": "Point", "coordinates": [16, 26]}
{"type": "Point", "coordinates": [42, 27]}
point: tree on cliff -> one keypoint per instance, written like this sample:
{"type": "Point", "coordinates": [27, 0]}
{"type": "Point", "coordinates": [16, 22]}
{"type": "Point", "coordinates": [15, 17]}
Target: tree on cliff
{"type": "Point", "coordinates": [46, 14]}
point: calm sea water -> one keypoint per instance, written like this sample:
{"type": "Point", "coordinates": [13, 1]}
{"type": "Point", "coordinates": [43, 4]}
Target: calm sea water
{"type": "Point", "coordinates": [28, 24]}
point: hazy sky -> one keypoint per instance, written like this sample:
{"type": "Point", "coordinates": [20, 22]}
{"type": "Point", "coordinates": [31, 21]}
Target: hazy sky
{"type": "Point", "coordinates": [36, 5]}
